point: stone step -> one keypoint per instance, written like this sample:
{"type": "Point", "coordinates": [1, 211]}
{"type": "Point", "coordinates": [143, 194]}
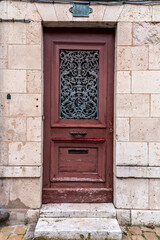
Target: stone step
{"type": "Point", "coordinates": [78, 210]}
{"type": "Point", "coordinates": [78, 229]}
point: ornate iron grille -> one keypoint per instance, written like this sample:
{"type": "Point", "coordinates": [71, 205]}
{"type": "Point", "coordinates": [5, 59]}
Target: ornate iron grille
{"type": "Point", "coordinates": [79, 75]}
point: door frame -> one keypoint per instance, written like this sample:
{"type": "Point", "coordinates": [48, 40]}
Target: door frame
{"type": "Point", "coordinates": [111, 109]}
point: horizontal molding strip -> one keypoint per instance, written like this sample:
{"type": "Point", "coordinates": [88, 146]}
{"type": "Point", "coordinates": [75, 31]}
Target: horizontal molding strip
{"type": "Point", "coordinates": [80, 139]}
{"type": "Point", "coordinates": [137, 172]}
{"type": "Point", "coordinates": [20, 172]}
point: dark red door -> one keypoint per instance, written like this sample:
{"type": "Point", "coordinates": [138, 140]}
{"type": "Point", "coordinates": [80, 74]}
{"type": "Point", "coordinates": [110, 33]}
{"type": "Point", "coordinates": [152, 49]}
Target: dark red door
{"type": "Point", "coordinates": [78, 109]}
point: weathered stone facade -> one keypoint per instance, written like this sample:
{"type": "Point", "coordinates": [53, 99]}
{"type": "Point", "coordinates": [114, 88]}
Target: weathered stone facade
{"type": "Point", "coordinates": [137, 105]}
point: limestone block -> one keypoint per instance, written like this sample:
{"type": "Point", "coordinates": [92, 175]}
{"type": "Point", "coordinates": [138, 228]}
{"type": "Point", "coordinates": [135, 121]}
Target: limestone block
{"type": "Point", "coordinates": [23, 10]}
{"type": "Point", "coordinates": [155, 105]}
{"type": "Point", "coordinates": [34, 33]}
{"type": "Point", "coordinates": [132, 105]}
{"type": "Point", "coordinates": [138, 172]}
{"type": "Point", "coordinates": [4, 105]}
{"type": "Point", "coordinates": [25, 105]}
{"type": "Point", "coordinates": [13, 32]}
{"type": "Point", "coordinates": [74, 228]}
{"type": "Point", "coordinates": [3, 29]}
{"type": "Point", "coordinates": [46, 12]}
{"type": "Point", "coordinates": [123, 81]}
{"type": "Point", "coordinates": [154, 195]}
{"type": "Point", "coordinates": [34, 83]}
{"type": "Point", "coordinates": [131, 153]}
{"type": "Point", "coordinates": [13, 80]}
{"type": "Point", "coordinates": [132, 58]}
{"type": "Point", "coordinates": [155, 13]}
{"type": "Point", "coordinates": [3, 51]}
{"type": "Point", "coordinates": [62, 12]}
{"type": "Point", "coordinates": [24, 57]}
{"type": "Point", "coordinates": [78, 210]}
{"type": "Point", "coordinates": [97, 14]}
{"type": "Point", "coordinates": [132, 193]}
{"type": "Point", "coordinates": [124, 33]}
{"type": "Point", "coordinates": [32, 215]}
{"type": "Point", "coordinates": [25, 193]}
{"type": "Point", "coordinates": [154, 154]}
{"type": "Point", "coordinates": [146, 33]}
{"type": "Point", "coordinates": [79, 21]}
{"type": "Point", "coordinates": [3, 153]}
{"type": "Point", "coordinates": [17, 216]}
{"type": "Point", "coordinates": [123, 217]}
{"type": "Point", "coordinates": [122, 129]}
{"type": "Point", "coordinates": [4, 192]}
{"type": "Point", "coordinates": [145, 129]}
{"type": "Point", "coordinates": [16, 32]}
{"type": "Point", "coordinates": [34, 129]}
{"type": "Point", "coordinates": [154, 59]}
{"type": "Point", "coordinates": [3, 64]}
{"type": "Point", "coordinates": [112, 13]}
{"type": "Point", "coordinates": [20, 172]}
{"type": "Point", "coordinates": [135, 13]}
{"type": "Point", "coordinates": [145, 217]}
{"type": "Point", "coordinates": [3, 9]}
{"type": "Point", "coordinates": [145, 82]}
{"type": "Point", "coordinates": [25, 153]}
{"type": "Point", "coordinates": [12, 129]}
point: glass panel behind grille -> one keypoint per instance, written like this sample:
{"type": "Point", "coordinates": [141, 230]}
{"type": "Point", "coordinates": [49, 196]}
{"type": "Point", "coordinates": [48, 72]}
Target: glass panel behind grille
{"type": "Point", "coordinates": [79, 75]}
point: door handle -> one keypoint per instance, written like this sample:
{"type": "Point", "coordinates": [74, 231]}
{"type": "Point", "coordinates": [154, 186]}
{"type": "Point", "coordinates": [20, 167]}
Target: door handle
{"type": "Point", "coordinates": [111, 130]}
{"type": "Point", "coordinates": [78, 133]}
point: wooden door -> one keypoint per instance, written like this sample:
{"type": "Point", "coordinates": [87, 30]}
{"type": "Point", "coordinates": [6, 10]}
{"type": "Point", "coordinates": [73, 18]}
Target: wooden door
{"type": "Point", "coordinates": [78, 110]}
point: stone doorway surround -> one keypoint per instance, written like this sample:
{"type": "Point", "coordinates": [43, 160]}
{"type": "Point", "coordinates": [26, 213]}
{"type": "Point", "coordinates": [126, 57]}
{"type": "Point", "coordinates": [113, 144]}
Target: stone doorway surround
{"type": "Point", "coordinates": [137, 111]}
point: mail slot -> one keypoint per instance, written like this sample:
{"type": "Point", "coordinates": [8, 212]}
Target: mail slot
{"type": "Point", "coordinates": [77, 151]}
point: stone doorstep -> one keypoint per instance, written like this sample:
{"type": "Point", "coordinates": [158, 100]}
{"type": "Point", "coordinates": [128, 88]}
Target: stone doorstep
{"type": "Point", "coordinates": [78, 221]}
{"type": "Point", "coordinates": [78, 210]}
{"type": "Point", "coordinates": [78, 228]}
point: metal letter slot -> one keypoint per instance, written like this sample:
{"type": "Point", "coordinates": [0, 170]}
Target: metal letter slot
{"type": "Point", "coordinates": [78, 133]}
{"type": "Point", "coordinates": [77, 151]}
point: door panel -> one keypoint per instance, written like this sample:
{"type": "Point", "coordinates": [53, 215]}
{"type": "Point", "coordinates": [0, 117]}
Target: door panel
{"type": "Point", "coordinates": [56, 120]}
{"type": "Point", "coordinates": [78, 108]}
{"type": "Point", "coordinates": [72, 162]}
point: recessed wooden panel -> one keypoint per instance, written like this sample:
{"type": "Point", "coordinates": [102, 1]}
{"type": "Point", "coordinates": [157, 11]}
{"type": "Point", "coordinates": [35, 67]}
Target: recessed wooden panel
{"type": "Point", "coordinates": [78, 109]}
{"type": "Point", "coordinates": [77, 162]}
{"type": "Point", "coordinates": [56, 120]}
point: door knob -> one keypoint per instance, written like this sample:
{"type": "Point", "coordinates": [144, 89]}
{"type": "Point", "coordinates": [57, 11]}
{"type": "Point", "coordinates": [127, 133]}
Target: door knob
{"type": "Point", "coordinates": [111, 130]}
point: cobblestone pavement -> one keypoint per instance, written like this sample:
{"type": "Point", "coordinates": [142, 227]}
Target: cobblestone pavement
{"type": "Point", "coordinates": [19, 232]}
{"type": "Point", "coordinates": [141, 233]}
{"type": "Point", "coordinates": [22, 232]}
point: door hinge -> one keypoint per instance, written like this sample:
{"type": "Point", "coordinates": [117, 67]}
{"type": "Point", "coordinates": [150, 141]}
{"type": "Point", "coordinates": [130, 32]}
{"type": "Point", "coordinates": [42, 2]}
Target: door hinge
{"type": "Point", "coordinates": [43, 117]}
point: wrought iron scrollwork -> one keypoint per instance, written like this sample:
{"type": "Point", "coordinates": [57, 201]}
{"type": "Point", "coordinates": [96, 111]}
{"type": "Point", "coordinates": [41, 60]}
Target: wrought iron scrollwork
{"type": "Point", "coordinates": [79, 74]}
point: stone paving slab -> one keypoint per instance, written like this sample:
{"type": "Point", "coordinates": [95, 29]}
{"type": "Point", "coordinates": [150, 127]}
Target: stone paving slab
{"type": "Point", "coordinates": [22, 232]}
{"type": "Point", "coordinates": [141, 233]}
{"type": "Point", "coordinates": [13, 232]}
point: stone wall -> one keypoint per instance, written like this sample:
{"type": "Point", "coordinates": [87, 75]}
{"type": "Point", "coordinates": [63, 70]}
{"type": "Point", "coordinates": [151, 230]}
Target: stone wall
{"type": "Point", "coordinates": [137, 105]}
